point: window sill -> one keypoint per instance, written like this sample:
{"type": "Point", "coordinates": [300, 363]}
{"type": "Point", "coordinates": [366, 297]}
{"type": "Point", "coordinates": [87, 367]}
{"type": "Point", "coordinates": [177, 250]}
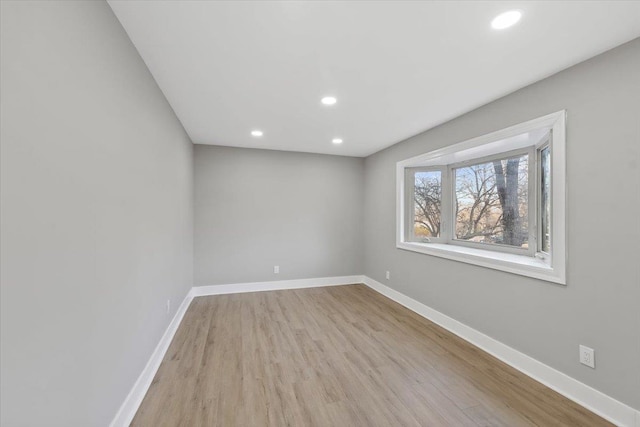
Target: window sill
{"type": "Point", "coordinates": [516, 264]}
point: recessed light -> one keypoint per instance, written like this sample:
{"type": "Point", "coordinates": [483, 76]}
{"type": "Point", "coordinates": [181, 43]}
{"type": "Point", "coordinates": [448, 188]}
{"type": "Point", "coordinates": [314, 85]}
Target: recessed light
{"type": "Point", "coordinates": [256, 133]}
{"type": "Point", "coordinates": [337, 140]}
{"type": "Point", "coordinates": [506, 19]}
{"type": "Point", "coordinates": [329, 100]}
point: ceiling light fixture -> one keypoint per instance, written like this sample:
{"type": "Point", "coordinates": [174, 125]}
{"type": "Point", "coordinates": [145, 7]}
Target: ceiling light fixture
{"type": "Point", "coordinates": [506, 19]}
{"type": "Point", "coordinates": [256, 133]}
{"type": "Point", "coordinates": [329, 100]}
{"type": "Point", "coordinates": [337, 140]}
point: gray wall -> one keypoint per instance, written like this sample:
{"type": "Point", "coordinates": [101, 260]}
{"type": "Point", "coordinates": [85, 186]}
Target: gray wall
{"type": "Point", "coordinates": [97, 208]}
{"type": "Point", "coordinates": [97, 216]}
{"type": "Point", "coordinates": [258, 208]}
{"type": "Point", "coordinates": [599, 307]}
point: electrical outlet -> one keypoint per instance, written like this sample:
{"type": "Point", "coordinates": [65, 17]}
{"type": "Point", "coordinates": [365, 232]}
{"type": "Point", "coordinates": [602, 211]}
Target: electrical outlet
{"type": "Point", "coordinates": [168, 306]}
{"type": "Point", "coordinates": [388, 275]}
{"type": "Point", "coordinates": [587, 356]}
{"type": "Point", "coordinates": [276, 269]}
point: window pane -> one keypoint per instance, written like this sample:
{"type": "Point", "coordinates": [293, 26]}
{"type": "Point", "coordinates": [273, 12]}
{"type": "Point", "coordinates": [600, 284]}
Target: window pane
{"type": "Point", "coordinates": [545, 205]}
{"type": "Point", "coordinates": [427, 198]}
{"type": "Point", "coordinates": [492, 202]}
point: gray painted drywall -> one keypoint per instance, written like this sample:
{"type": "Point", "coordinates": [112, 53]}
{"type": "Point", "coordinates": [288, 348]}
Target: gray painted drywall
{"type": "Point", "coordinates": [599, 307]}
{"type": "Point", "coordinates": [97, 206]}
{"type": "Point", "coordinates": [258, 208]}
{"type": "Point", "coordinates": [97, 214]}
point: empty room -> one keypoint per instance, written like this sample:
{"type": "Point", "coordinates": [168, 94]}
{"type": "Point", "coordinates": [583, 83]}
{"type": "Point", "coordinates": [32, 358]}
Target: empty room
{"type": "Point", "coordinates": [319, 213]}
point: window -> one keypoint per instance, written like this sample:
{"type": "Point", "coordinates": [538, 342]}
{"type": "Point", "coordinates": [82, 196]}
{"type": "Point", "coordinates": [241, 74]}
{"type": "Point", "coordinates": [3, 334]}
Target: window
{"type": "Point", "coordinates": [492, 202]}
{"type": "Point", "coordinates": [496, 200]}
{"type": "Point", "coordinates": [545, 206]}
{"type": "Point", "coordinates": [427, 196]}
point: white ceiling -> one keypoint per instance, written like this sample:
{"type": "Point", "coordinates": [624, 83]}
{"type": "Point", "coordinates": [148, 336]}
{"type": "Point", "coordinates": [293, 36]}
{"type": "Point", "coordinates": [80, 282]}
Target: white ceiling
{"type": "Point", "coordinates": [396, 67]}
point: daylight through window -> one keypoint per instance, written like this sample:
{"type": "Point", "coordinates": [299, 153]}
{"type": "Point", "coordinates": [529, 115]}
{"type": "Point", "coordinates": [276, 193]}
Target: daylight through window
{"type": "Point", "coordinates": [490, 195]}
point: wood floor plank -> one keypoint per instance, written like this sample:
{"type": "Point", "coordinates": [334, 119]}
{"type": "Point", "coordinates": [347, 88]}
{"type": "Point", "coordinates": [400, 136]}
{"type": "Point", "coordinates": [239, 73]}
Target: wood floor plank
{"type": "Point", "coordinates": [337, 356]}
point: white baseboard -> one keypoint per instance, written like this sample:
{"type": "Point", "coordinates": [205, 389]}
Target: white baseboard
{"type": "Point", "coordinates": [133, 400]}
{"type": "Point", "coordinates": [592, 399]}
{"type": "Point", "coordinates": [130, 405]}
{"type": "Point", "coordinates": [236, 288]}
{"type": "Point", "coordinates": [584, 395]}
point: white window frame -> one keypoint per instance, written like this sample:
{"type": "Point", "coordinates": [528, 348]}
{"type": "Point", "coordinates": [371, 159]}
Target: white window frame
{"type": "Point", "coordinates": [410, 189]}
{"type": "Point", "coordinates": [527, 262]}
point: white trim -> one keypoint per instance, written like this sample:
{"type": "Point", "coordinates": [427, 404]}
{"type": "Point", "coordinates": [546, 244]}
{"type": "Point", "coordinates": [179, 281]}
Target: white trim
{"type": "Point", "coordinates": [129, 407]}
{"type": "Point", "coordinates": [511, 263]}
{"type": "Point", "coordinates": [594, 400]}
{"type": "Point", "coordinates": [550, 120]}
{"type": "Point", "coordinates": [488, 145]}
{"type": "Point", "coordinates": [235, 288]}
{"type": "Point", "coordinates": [584, 395]}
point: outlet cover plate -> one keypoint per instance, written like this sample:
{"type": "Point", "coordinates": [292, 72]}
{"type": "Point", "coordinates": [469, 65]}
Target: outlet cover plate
{"type": "Point", "coordinates": [587, 356]}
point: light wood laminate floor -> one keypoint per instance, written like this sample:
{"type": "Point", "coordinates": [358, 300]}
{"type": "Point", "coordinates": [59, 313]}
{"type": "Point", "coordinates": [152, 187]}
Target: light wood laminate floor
{"type": "Point", "coordinates": [336, 356]}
